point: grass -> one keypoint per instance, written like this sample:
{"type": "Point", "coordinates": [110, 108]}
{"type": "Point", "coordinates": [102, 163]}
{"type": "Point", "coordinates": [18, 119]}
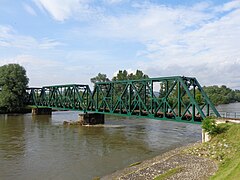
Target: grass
{"type": "Point", "coordinates": [224, 148]}
{"type": "Point", "coordinates": [96, 178]}
{"type": "Point", "coordinates": [229, 167]}
{"type": "Point", "coordinates": [168, 173]}
{"type": "Point", "coordinates": [134, 164]}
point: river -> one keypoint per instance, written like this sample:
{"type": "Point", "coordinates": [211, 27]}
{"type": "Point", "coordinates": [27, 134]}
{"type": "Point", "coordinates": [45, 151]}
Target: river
{"type": "Point", "coordinates": [40, 147]}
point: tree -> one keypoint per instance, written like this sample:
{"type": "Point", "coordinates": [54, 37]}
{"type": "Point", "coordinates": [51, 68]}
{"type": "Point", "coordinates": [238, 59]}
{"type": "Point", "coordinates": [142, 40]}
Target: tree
{"type": "Point", "coordinates": [100, 78]}
{"type": "Point", "coordinates": [13, 84]}
{"type": "Point", "coordinates": [222, 94]}
{"type": "Point", "coordinates": [120, 87]}
{"type": "Point", "coordinates": [123, 75]}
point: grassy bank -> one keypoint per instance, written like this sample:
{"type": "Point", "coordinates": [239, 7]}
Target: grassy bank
{"type": "Point", "coordinates": [221, 159]}
{"type": "Point", "coordinates": [229, 166]}
{"type": "Point", "coordinates": [224, 148]}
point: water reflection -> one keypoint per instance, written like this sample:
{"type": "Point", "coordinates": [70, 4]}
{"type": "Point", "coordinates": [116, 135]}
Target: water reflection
{"type": "Point", "coordinates": [12, 140]}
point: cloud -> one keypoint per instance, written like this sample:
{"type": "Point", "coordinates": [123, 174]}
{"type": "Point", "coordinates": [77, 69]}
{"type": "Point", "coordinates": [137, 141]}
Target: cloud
{"type": "Point", "coordinates": [47, 43]}
{"type": "Point", "coordinates": [195, 41]}
{"type": "Point", "coordinates": [41, 71]}
{"type": "Point", "coordinates": [11, 39]}
{"type": "Point", "coordinates": [228, 6]}
{"type": "Point", "coordinates": [29, 9]}
{"type": "Point", "coordinates": [114, 1]}
{"type": "Point", "coordinates": [200, 40]}
{"type": "Point", "coordinates": [66, 9]}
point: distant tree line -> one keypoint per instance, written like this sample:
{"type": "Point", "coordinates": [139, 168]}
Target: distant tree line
{"type": "Point", "coordinates": [222, 94]}
{"type": "Point", "coordinates": [14, 81]}
{"type": "Point", "coordinates": [121, 75]}
{"type": "Point", "coordinates": [217, 94]}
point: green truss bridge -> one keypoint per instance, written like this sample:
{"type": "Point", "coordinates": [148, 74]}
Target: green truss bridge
{"type": "Point", "coordinates": [175, 98]}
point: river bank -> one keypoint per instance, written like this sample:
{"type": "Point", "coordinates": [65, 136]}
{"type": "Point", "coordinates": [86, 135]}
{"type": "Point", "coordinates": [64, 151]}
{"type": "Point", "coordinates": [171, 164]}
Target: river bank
{"type": "Point", "coordinates": [177, 164]}
{"type": "Point", "coordinates": [216, 159]}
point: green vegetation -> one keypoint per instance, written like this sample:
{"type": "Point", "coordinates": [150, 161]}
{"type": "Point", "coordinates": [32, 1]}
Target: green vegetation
{"type": "Point", "coordinates": [96, 178]}
{"type": "Point", "coordinates": [224, 148]}
{"type": "Point", "coordinates": [217, 94]}
{"type": "Point", "coordinates": [124, 75]}
{"type": "Point", "coordinates": [229, 167]}
{"type": "Point", "coordinates": [222, 95]}
{"type": "Point", "coordinates": [168, 174]}
{"type": "Point", "coordinates": [121, 75]}
{"type": "Point", "coordinates": [13, 84]}
{"type": "Point", "coordinates": [134, 164]}
{"type": "Point", "coordinates": [99, 78]}
{"type": "Point", "coordinates": [209, 125]}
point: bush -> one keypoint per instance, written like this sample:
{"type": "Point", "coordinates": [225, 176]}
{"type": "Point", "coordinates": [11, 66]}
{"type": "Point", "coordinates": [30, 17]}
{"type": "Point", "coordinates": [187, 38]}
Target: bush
{"type": "Point", "coordinates": [209, 125]}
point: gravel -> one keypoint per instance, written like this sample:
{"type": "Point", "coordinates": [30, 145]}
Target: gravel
{"type": "Point", "coordinates": [192, 167]}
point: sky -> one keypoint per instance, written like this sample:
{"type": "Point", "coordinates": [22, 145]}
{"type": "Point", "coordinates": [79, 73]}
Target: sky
{"type": "Point", "coordinates": [71, 41]}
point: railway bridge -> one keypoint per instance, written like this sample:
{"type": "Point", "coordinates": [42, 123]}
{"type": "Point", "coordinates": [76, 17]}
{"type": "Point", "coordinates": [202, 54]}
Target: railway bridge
{"type": "Point", "coordinates": [177, 98]}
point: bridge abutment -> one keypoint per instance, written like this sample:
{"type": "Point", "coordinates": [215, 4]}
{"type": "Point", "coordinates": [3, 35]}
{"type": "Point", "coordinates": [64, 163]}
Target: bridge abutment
{"type": "Point", "coordinates": [41, 111]}
{"type": "Point", "coordinates": [91, 118]}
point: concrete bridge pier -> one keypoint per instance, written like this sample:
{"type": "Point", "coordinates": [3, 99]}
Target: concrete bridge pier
{"type": "Point", "coordinates": [41, 111]}
{"type": "Point", "coordinates": [91, 118]}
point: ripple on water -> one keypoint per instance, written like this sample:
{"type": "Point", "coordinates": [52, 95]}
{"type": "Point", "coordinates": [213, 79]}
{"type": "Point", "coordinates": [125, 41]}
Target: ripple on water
{"type": "Point", "coordinates": [42, 147]}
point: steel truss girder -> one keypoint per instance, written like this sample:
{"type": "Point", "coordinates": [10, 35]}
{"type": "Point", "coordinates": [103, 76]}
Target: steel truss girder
{"type": "Point", "coordinates": [169, 98]}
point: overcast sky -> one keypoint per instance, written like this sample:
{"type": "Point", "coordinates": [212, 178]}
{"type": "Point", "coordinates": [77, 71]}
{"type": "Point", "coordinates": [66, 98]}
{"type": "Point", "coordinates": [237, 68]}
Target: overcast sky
{"type": "Point", "coordinates": [70, 41]}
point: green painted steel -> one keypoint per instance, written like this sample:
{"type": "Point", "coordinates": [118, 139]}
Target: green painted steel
{"type": "Point", "coordinates": [175, 98]}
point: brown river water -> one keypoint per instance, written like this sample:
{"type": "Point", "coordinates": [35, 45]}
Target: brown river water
{"type": "Point", "coordinates": [40, 147]}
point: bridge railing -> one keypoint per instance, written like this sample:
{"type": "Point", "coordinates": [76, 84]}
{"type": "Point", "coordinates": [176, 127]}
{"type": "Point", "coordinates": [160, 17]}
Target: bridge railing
{"type": "Point", "coordinates": [230, 114]}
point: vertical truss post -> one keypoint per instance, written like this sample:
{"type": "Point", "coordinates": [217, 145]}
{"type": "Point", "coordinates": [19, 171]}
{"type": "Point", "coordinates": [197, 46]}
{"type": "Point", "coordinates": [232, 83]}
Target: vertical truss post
{"type": "Point", "coordinates": [152, 96]}
{"type": "Point", "coordinates": [193, 105]}
{"type": "Point", "coordinates": [130, 97]}
{"type": "Point", "coordinates": [208, 110]}
{"type": "Point", "coordinates": [179, 98]}
{"type": "Point", "coordinates": [97, 98]}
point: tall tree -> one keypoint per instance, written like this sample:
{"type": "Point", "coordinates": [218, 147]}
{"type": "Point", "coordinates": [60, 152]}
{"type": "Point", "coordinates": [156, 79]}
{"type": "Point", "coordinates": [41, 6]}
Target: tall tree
{"type": "Point", "coordinates": [124, 75]}
{"type": "Point", "coordinates": [121, 75]}
{"type": "Point", "coordinates": [100, 78]}
{"type": "Point", "coordinates": [13, 84]}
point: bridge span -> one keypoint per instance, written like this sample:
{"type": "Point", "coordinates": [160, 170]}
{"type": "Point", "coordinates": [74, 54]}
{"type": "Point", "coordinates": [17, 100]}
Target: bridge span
{"type": "Point", "coordinates": [176, 98]}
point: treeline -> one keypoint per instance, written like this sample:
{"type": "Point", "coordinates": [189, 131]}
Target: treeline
{"type": "Point", "coordinates": [13, 84]}
{"type": "Point", "coordinates": [222, 94]}
{"type": "Point", "coordinates": [121, 75]}
{"type": "Point", "coordinates": [217, 94]}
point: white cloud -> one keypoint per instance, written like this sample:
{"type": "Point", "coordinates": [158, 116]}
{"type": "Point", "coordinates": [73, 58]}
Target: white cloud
{"type": "Point", "coordinates": [61, 10]}
{"type": "Point", "coordinates": [41, 71]}
{"type": "Point", "coordinates": [201, 40]}
{"type": "Point", "coordinates": [228, 6]}
{"type": "Point", "coordinates": [114, 1]}
{"type": "Point", "coordinates": [29, 9]}
{"type": "Point", "coordinates": [47, 43]}
{"type": "Point", "coordinates": [30, 61]}
{"type": "Point", "coordinates": [11, 39]}
{"type": "Point", "coordinates": [195, 40]}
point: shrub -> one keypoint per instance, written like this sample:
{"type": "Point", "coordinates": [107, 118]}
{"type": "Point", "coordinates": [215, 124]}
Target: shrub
{"type": "Point", "coordinates": [209, 125]}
